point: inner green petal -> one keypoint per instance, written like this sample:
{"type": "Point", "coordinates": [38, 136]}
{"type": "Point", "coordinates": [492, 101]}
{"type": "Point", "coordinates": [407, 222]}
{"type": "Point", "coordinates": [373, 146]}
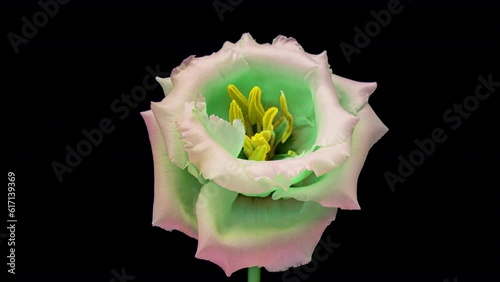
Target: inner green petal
{"type": "Point", "coordinates": [272, 81]}
{"type": "Point", "coordinates": [239, 214]}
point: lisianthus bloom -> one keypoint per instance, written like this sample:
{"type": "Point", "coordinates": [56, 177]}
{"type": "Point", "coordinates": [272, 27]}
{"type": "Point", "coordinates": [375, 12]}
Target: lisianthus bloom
{"type": "Point", "coordinates": [255, 148]}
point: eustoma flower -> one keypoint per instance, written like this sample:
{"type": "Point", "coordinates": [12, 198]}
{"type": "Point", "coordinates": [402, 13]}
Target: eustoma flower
{"type": "Point", "coordinates": [255, 148]}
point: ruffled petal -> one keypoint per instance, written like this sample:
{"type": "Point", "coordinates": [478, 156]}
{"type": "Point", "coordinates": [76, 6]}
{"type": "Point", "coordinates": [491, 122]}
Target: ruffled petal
{"type": "Point", "coordinates": [338, 187]}
{"type": "Point", "coordinates": [198, 131]}
{"type": "Point", "coordinates": [353, 94]}
{"type": "Point", "coordinates": [166, 84]}
{"type": "Point", "coordinates": [287, 42]}
{"type": "Point", "coordinates": [334, 124]}
{"type": "Point", "coordinates": [188, 80]}
{"type": "Point", "coordinates": [237, 232]}
{"type": "Point", "coordinates": [176, 190]}
{"type": "Point", "coordinates": [284, 54]}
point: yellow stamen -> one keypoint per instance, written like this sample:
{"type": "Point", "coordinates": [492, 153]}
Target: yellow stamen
{"type": "Point", "coordinates": [259, 140]}
{"type": "Point", "coordinates": [267, 134]}
{"type": "Point", "coordinates": [235, 112]}
{"type": "Point", "coordinates": [267, 120]}
{"type": "Point", "coordinates": [247, 146]}
{"type": "Point", "coordinates": [255, 108]}
{"type": "Point", "coordinates": [259, 154]}
{"type": "Point", "coordinates": [236, 95]}
{"type": "Point", "coordinates": [279, 121]}
{"type": "Point", "coordinates": [288, 116]}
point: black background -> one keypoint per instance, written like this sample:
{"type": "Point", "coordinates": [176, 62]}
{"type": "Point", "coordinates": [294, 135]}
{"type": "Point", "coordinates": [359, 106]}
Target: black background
{"type": "Point", "coordinates": [441, 223]}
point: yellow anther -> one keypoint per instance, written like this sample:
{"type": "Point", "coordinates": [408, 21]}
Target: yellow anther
{"type": "Point", "coordinates": [259, 154]}
{"type": "Point", "coordinates": [235, 112]}
{"type": "Point", "coordinates": [247, 146]}
{"type": "Point", "coordinates": [291, 153]}
{"type": "Point", "coordinates": [255, 109]}
{"type": "Point", "coordinates": [257, 147]}
{"type": "Point", "coordinates": [267, 120]}
{"type": "Point", "coordinates": [259, 140]}
{"type": "Point", "coordinates": [267, 135]}
{"type": "Point", "coordinates": [288, 116]}
{"type": "Point", "coordinates": [236, 95]}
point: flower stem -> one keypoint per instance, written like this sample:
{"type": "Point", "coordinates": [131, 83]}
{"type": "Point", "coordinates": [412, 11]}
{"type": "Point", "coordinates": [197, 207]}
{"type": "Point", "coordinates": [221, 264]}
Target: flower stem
{"type": "Point", "coordinates": [254, 274]}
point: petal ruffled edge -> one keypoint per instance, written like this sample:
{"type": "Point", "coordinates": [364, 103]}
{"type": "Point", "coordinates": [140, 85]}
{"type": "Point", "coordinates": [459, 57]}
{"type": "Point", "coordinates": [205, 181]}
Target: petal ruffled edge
{"type": "Point", "coordinates": [175, 190]}
{"type": "Point", "coordinates": [183, 86]}
{"type": "Point", "coordinates": [353, 94]}
{"type": "Point", "coordinates": [338, 188]}
{"type": "Point", "coordinates": [231, 225]}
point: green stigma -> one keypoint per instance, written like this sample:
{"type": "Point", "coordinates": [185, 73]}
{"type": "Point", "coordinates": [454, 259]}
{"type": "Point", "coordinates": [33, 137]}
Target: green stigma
{"type": "Point", "coordinates": [264, 128]}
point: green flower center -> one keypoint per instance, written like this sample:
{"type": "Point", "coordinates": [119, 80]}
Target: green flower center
{"type": "Point", "coordinates": [264, 130]}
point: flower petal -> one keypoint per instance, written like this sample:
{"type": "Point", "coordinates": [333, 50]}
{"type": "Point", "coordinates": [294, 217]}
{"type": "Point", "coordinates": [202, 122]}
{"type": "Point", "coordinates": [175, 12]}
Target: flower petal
{"type": "Point", "coordinates": [353, 94]}
{"type": "Point", "coordinates": [287, 42]}
{"type": "Point", "coordinates": [207, 137]}
{"type": "Point", "coordinates": [188, 80]}
{"type": "Point", "coordinates": [338, 187]}
{"type": "Point", "coordinates": [176, 190]}
{"type": "Point", "coordinates": [334, 124]}
{"type": "Point", "coordinates": [272, 234]}
{"type": "Point", "coordinates": [166, 84]}
{"type": "Point", "coordinates": [229, 136]}
{"type": "Point", "coordinates": [277, 55]}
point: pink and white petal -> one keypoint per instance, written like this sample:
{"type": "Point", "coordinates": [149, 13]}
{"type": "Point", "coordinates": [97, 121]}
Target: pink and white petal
{"type": "Point", "coordinates": [353, 94]}
{"type": "Point", "coordinates": [338, 187]}
{"type": "Point", "coordinates": [335, 125]}
{"type": "Point", "coordinates": [281, 172]}
{"type": "Point", "coordinates": [237, 232]}
{"type": "Point", "coordinates": [166, 84]}
{"type": "Point", "coordinates": [276, 56]}
{"type": "Point", "coordinates": [188, 80]}
{"type": "Point", "coordinates": [229, 136]}
{"type": "Point", "coordinates": [175, 190]}
{"type": "Point", "coordinates": [287, 42]}
{"type": "Point", "coordinates": [166, 117]}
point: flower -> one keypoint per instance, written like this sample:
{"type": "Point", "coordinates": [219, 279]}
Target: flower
{"type": "Point", "coordinates": [255, 147]}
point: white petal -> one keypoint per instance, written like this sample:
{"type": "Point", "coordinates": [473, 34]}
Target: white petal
{"type": "Point", "coordinates": [338, 187]}
{"type": "Point", "coordinates": [227, 136]}
{"type": "Point", "coordinates": [176, 190]}
{"type": "Point", "coordinates": [279, 55]}
{"type": "Point", "coordinates": [237, 232]}
{"type": "Point", "coordinates": [334, 124]}
{"type": "Point", "coordinates": [188, 80]}
{"type": "Point", "coordinates": [166, 84]}
{"type": "Point", "coordinates": [353, 94]}
{"type": "Point", "coordinates": [287, 42]}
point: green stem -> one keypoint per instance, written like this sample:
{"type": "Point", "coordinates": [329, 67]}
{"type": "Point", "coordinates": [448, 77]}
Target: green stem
{"type": "Point", "coordinates": [254, 274]}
